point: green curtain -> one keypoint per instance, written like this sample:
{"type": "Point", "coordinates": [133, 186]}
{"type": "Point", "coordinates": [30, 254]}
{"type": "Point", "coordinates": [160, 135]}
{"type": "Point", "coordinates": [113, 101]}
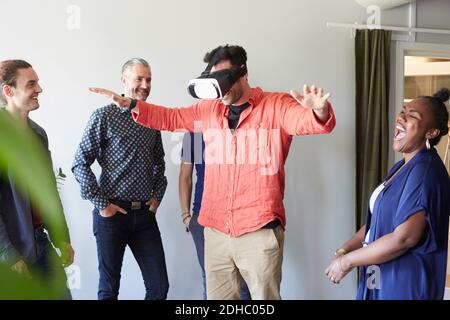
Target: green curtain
{"type": "Point", "coordinates": [372, 51]}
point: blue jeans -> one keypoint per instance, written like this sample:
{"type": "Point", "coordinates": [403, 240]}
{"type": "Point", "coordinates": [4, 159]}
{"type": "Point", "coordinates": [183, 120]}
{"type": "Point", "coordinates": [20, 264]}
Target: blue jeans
{"type": "Point", "coordinates": [48, 264]}
{"type": "Point", "coordinates": [199, 240]}
{"type": "Point", "coordinates": [139, 230]}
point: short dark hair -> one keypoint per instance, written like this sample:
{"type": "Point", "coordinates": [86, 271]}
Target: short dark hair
{"type": "Point", "coordinates": [235, 54]}
{"type": "Point", "coordinates": [436, 104]}
{"type": "Point", "coordinates": [8, 73]}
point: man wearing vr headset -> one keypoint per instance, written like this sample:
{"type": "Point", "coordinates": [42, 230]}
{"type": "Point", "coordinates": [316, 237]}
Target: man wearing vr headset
{"type": "Point", "coordinates": [247, 135]}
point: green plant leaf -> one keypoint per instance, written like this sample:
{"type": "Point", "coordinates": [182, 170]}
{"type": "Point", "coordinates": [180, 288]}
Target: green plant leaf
{"type": "Point", "coordinates": [23, 157]}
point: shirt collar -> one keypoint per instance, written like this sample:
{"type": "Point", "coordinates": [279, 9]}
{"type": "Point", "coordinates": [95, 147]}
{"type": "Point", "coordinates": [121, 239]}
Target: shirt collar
{"type": "Point", "coordinates": [417, 157]}
{"type": "Point", "coordinates": [124, 110]}
{"type": "Point", "coordinates": [424, 152]}
{"type": "Point", "coordinates": [256, 96]}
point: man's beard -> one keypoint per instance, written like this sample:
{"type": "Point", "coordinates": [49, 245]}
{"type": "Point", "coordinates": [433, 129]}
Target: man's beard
{"type": "Point", "coordinates": [141, 94]}
{"type": "Point", "coordinates": [235, 95]}
{"type": "Point", "coordinates": [32, 104]}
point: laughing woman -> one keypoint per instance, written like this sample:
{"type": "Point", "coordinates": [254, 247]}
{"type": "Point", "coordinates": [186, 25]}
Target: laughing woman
{"type": "Point", "coordinates": [402, 248]}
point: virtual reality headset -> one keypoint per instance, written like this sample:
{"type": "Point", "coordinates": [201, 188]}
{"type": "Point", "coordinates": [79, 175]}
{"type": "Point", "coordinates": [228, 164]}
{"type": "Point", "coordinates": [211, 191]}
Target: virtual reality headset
{"type": "Point", "coordinates": [215, 85]}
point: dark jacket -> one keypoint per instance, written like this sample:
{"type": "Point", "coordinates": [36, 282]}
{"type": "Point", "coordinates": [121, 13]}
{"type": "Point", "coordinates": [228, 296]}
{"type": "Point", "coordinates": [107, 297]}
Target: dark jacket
{"type": "Point", "coordinates": [17, 239]}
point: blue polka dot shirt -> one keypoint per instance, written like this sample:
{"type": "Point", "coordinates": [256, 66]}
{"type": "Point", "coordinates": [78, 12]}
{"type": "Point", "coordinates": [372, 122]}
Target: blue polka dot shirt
{"type": "Point", "coordinates": [131, 158]}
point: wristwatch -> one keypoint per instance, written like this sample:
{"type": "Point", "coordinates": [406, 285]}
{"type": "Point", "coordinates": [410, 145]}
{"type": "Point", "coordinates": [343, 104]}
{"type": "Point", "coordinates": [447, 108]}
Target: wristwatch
{"type": "Point", "coordinates": [132, 104]}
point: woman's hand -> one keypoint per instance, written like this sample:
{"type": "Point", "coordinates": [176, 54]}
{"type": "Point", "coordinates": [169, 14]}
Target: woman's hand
{"type": "Point", "coordinates": [337, 269]}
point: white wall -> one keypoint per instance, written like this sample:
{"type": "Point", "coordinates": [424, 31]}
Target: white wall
{"type": "Point", "coordinates": [287, 43]}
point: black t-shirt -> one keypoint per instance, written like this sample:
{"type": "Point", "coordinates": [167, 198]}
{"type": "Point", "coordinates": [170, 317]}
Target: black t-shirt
{"type": "Point", "coordinates": [234, 114]}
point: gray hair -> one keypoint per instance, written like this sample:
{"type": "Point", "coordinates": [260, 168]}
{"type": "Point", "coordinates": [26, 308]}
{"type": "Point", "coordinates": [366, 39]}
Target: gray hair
{"type": "Point", "coordinates": [132, 62]}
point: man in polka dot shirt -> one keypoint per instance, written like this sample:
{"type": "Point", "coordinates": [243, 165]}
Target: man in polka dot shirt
{"type": "Point", "coordinates": [129, 190]}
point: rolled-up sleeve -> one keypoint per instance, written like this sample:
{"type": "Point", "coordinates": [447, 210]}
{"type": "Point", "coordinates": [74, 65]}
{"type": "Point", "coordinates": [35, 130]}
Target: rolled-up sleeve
{"type": "Point", "coordinates": [299, 120]}
{"type": "Point", "coordinates": [167, 119]}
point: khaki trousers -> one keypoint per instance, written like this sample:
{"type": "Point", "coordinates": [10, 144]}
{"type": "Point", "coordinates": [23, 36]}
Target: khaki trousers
{"type": "Point", "coordinates": [255, 257]}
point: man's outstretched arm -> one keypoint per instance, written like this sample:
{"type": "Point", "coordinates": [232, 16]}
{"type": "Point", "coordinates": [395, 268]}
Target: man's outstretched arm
{"type": "Point", "coordinates": [156, 117]}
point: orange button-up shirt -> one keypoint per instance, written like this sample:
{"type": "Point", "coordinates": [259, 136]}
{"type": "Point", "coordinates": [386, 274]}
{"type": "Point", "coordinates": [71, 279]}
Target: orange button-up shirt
{"type": "Point", "coordinates": [244, 170]}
